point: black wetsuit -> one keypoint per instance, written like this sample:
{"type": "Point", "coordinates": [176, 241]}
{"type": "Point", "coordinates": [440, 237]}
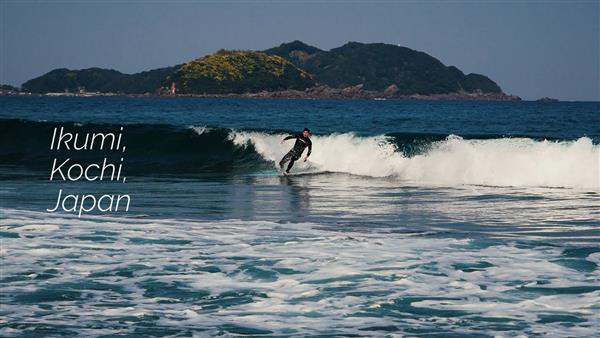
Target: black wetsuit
{"type": "Point", "coordinates": [294, 154]}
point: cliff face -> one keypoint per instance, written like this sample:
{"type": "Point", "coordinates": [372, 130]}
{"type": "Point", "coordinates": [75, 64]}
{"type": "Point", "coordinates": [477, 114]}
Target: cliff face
{"type": "Point", "coordinates": [381, 69]}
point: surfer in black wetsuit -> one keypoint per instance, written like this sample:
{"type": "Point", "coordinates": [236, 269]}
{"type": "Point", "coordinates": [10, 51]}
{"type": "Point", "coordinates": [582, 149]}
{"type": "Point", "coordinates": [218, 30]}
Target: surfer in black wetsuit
{"type": "Point", "coordinates": [302, 141]}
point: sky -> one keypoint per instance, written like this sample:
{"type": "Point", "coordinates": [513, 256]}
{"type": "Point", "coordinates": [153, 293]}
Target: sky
{"type": "Point", "coordinates": [531, 49]}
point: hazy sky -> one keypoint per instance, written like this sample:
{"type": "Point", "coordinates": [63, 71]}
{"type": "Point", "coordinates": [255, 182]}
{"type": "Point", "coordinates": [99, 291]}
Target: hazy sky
{"type": "Point", "coordinates": [531, 49]}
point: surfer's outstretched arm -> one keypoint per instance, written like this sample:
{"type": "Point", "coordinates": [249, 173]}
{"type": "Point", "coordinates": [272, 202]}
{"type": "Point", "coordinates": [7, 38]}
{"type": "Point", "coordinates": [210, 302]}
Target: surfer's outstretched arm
{"type": "Point", "coordinates": [289, 138]}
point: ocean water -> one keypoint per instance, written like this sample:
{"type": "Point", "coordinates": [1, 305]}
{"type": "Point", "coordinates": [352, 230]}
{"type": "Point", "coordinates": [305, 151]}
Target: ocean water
{"type": "Point", "coordinates": [410, 219]}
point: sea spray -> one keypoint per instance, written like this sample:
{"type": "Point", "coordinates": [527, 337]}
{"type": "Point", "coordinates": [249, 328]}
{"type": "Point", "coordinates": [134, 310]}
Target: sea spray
{"type": "Point", "coordinates": [496, 162]}
{"type": "Point", "coordinates": [508, 162]}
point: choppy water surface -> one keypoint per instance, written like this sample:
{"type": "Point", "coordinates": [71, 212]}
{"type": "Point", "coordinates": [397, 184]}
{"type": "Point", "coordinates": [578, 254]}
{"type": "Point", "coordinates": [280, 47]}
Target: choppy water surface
{"type": "Point", "coordinates": [435, 222]}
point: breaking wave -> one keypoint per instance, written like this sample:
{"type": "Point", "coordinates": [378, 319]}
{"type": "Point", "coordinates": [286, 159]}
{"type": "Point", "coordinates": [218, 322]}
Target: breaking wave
{"type": "Point", "coordinates": [422, 158]}
{"type": "Point", "coordinates": [454, 160]}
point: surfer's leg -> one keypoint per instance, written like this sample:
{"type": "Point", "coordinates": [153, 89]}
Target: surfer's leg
{"type": "Point", "coordinates": [285, 158]}
{"type": "Point", "coordinates": [294, 158]}
{"type": "Point", "coordinates": [290, 165]}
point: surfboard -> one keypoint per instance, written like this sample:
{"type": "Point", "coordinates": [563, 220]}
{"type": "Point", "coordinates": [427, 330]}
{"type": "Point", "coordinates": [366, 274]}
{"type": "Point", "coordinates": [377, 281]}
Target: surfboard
{"type": "Point", "coordinates": [266, 173]}
{"type": "Point", "coordinates": [277, 173]}
{"type": "Point", "coordinates": [306, 169]}
{"type": "Point", "coordinates": [302, 173]}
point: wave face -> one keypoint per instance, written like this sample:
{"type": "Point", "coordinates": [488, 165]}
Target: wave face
{"type": "Point", "coordinates": [150, 148]}
{"type": "Point", "coordinates": [420, 158]}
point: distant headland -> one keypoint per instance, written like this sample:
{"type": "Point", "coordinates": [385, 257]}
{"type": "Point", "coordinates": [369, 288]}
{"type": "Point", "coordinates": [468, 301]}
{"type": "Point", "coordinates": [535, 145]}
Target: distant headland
{"type": "Point", "coordinates": [291, 70]}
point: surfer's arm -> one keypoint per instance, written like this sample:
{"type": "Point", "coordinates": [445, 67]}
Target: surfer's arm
{"type": "Point", "coordinates": [309, 150]}
{"type": "Point", "coordinates": [289, 138]}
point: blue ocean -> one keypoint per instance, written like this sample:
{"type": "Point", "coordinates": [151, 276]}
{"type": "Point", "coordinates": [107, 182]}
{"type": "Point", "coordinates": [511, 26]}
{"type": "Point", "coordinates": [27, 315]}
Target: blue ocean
{"type": "Point", "coordinates": [409, 219]}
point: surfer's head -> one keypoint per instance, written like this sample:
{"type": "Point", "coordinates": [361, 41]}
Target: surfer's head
{"type": "Point", "coordinates": [306, 132]}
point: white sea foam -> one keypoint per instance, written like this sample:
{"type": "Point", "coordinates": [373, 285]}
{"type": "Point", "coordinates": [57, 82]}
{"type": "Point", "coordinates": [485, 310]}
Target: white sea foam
{"type": "Point", "coordinates": [200, 129]}
{"type": "Point", "coordinates": [454, 161]}
{"type": "Point", "coordinates": [304, 277]}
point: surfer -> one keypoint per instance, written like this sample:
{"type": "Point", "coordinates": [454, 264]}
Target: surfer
{"type": "Point", "coordinates": [302, 141]}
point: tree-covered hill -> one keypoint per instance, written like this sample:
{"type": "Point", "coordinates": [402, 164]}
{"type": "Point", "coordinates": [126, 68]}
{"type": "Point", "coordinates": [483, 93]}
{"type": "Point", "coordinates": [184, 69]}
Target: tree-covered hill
{"type": "Point", "coordinates": [239, 72]}
{"type": "Point", "coordinates": [98, 80]}
{"type": "Point", "coordinates": [376, 67]}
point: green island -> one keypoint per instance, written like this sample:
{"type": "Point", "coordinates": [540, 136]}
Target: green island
{"type": "Point", "coordinates": [291, 70]}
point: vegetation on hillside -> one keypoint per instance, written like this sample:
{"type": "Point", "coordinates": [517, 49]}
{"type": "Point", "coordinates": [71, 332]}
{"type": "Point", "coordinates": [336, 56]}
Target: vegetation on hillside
{"type": "Point", "coordinates": [377, 66]}
{"type": "Point", "coordinates": [474, 82]}
{"type": "Point", "coordinates": [98, 80]}
{"type": "Point", "coordinates": [9, 88]}
{"type": "Point", "coordinates": [239, 72]}
{"type": "Point", "coordinates": [297, 52]}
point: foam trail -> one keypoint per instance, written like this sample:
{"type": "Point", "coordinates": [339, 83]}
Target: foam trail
{"type": "Point", "coordinates": [280, 277]}
{"type": "Point", "coordinates": [454, 161]}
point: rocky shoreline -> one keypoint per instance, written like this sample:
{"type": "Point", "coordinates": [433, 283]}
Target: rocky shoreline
{"type": "Point", "coordinates": [318, 92]}
{"type": "Point", "coordinates": [357, 92]}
